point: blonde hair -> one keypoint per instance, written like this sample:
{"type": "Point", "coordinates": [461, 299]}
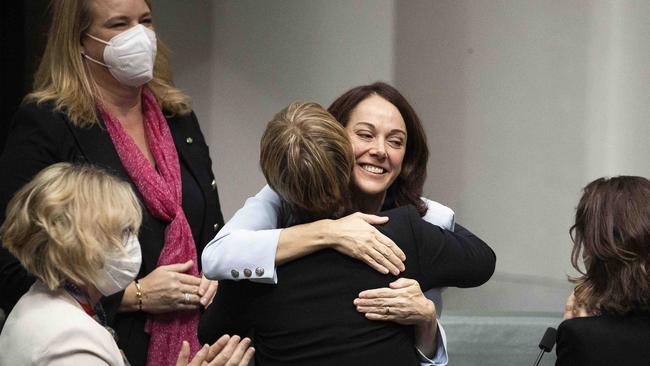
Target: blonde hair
{"type": "Point", "coordinates": [306, 157]}
{"type": "Point", "coordinates": [62, 77]}
{"type": "Point", "coordinates": [61, 223]}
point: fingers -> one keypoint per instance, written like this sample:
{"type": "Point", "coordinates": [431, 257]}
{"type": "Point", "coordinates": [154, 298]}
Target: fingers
{"type": "Point", "coordinates": [372, 219]}
{"type": "Point", "coordinates": [203, 285]}
{"type": "Point", "coordinates": [207, 298]}
{"type": "Point", "coordinates": [373, 263]}
{"type": "Point", "coordinates": [188, 279]}
{"type": "Point", "coordinates": [183, 355]}
{"type": "Point", "coordinates": [403, 283]}
{"type": "Point", "coordinates": [217, 346]}
{"type": "Point", "coordinates": [232, 353]}
{"type": "Point", "coordinates": [383, 261]}
{"type": "Point", "coordinates": [248, 356]}
{"type": "Point", "coordinates": [200, 356]}
{"type": "Point", "coordinates": [378, 293]}
{"type": "Point", "coordinates": [387, 242]}
{"type": "Point", "coordinates": [178, 267]}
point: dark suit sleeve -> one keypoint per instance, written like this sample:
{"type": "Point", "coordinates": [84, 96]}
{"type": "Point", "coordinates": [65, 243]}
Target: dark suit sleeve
{"type": "Point", "coordinates": [32, 144]}
{"type": "Point", "coordinates": [458, 259]}
{"type": "Point", "coordinates": [229, 313]}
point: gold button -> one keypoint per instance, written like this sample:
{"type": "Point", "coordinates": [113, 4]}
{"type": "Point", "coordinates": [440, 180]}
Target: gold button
{"type": "Point", "coordinates": [259, 271]}
{"type": "Point", "coordinates": [189, 140]}
{"type": "Point", "coordinates": [216, 227]}
{"type": "Point", "coordinates": [234, 273]}
{"type": "Point", "coordinates": [214, 185]}
{"type": "Point", "coordinates": [247, 272]}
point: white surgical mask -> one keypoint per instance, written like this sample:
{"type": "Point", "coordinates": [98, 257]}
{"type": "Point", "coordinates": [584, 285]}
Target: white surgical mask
{"type": "Point", "coordinates": [130, 55]}
{"type": "Point", "coordinates": [120, 267]}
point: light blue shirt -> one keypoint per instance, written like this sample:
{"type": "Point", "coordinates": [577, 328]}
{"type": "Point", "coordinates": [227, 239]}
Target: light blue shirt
{"type": "Point", "coordinates": [245, 248]}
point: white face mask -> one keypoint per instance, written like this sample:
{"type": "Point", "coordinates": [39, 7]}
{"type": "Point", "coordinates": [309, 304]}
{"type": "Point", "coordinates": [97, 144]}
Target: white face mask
{"type": "Point", "coordinates": [130, 55]}
{"type": "Point", "coordinates": [120, 268]}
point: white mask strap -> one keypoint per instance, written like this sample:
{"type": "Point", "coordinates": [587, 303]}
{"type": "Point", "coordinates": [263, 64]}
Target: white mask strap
{"type": "Point", "coordinates": [95, 61]}
{"type": "Point", "coordinates": [97, 39]}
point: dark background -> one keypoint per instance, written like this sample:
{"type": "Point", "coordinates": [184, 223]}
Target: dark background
{"type": "Point", "coordinates": [23, 32]}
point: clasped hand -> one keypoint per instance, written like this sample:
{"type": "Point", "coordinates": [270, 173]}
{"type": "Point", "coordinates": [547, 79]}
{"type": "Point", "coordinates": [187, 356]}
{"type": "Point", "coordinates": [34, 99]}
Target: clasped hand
{"type": "Point", "coordinates": [169, 288]}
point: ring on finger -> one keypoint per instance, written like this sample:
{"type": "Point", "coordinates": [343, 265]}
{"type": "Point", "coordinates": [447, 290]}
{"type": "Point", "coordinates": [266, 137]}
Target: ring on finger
{"type": "Point", "coordinates": [387, 310]}
{"type": "Point", "coordinates": [186, 298]}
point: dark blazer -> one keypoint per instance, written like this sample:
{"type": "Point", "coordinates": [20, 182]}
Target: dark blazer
{"type": "Point", "coordinates": [39, 137]}
{"type": "Point", "coordinates": [605, 340]}
{"type": "Point", "coordinates": [308, 317]}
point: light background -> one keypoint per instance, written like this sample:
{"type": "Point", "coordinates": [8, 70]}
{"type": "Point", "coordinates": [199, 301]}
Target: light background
{"type": "Point", "coordinates": [523, 102]}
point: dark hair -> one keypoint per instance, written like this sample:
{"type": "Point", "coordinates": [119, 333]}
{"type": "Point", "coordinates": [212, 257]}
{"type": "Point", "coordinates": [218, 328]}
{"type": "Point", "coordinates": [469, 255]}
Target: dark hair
{"type": "Point", "coordinates": [612, 234]}
{"type": "Point", "coordinates": [407, 188]}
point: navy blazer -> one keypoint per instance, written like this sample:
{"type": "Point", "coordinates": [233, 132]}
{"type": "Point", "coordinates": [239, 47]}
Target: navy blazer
{"type": "Point", "coordinates": [40, 136]}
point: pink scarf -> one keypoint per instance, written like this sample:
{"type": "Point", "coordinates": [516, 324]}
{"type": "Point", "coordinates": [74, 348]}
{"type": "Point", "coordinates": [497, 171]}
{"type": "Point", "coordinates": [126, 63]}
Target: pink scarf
{"type": "Point", "coordinates": [162, 193]}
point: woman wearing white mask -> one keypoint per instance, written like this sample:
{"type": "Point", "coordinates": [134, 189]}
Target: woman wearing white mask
{"type": "Point", "coordinates": [74, 228]}
{"type": "Point", "coordinates": [103, 94]}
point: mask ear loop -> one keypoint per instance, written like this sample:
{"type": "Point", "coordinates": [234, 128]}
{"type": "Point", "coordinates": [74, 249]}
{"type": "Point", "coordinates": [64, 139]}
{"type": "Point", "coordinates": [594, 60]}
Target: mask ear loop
{"type": "Point", "coordinates": [92, 59]}
{"type": "Point", "coordinates": [97, 92]}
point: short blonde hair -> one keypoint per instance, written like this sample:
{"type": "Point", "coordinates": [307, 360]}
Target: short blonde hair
{"type": "Point", "coordinates": [62, 77]}
{"type": "Point", "coordinates": [306, 157]}
{"type": "Point", "coordinates": [61, 223]}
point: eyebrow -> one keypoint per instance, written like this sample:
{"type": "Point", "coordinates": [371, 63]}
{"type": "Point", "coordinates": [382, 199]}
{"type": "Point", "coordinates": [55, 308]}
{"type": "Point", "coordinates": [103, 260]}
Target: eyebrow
{"type": "Point", "coordinates": [124, 18]}
{"type": "Point", "coordinates": [372, 127]}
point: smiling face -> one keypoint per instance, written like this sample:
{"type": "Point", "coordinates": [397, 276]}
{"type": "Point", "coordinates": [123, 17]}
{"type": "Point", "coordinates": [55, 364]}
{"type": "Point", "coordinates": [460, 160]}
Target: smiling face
{"type": "Point", "coordinates": [378, 134]}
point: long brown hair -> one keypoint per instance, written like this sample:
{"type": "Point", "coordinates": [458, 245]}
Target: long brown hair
{"type": "Point", "coordinates": [407, 188]}
{"type": "Point", "coordinates": [611, 235]}
{"type": "Point", "coordinates": [62, 78]}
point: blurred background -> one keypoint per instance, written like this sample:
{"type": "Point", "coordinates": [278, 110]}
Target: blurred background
{"type": "Point", "coordinates": [523, 102]}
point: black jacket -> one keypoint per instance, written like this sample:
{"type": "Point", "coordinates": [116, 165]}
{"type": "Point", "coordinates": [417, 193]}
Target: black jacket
{"type": "Point", "coordinates": [308, 318]}
{"type": "Point", "coordinates": [605, 340]}
{"type": "Point", "coordinates": [39, 137]}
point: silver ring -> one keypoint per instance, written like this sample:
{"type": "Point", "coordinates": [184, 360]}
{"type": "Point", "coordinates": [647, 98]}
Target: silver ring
{"type": "Point", "coordinates": [387, 310]}
{"type": "Point", "coordinates": [187, 298]}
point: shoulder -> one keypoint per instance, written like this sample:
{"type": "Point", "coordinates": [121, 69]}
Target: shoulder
{"type": "Point", "coordinates": [46, 323]}
{"type": "Point", "coordinates": [42, 115]}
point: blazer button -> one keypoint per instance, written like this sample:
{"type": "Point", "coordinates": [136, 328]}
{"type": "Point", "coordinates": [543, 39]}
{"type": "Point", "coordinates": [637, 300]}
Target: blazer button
{"type": "Point", "coordinates": [234, 273]}
{"type": "Point", "coordinates": [189, 140]}
{"type": "Point", "coordinates": [247, 272]}
{"type": "Point", "coordinates": [216, 227]}
{"type": "Point", "coordinates": [259, 271]}
{"type": "Point", "coordinates": [214, 185]}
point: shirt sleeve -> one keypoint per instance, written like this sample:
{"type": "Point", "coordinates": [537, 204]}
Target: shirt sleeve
{"type": "Point", "coordinates": [441, 358]}
{"type": "Point", "coordinates": [245, 247]}
{"type": "Point", "coordinates": [439, 214]}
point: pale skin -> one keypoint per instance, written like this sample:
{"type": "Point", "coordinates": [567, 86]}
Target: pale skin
{"type": "Point", "coordinates": [378, 134]}
{"type": "Point", "coordinates": [573, 309]}
{"type": "Point", "coordinates": [163, 289]}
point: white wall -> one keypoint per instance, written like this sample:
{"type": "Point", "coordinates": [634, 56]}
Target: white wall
{"type": "Point", "coordinates": [258, 56]}
{"type": "Point", "coordinates": [524, 102]}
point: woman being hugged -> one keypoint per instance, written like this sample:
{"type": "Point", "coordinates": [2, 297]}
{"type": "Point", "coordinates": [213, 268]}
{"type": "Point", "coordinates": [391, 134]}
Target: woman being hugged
{"type": "Point", "coordinates": [390, 153]}
{"type": "Point", "coordinates": [607, 318]}
{"type": "Point", "coordinates": [103, 94]}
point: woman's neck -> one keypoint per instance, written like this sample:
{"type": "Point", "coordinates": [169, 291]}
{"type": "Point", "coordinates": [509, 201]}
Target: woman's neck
{"type": "Point", "coordinates": [370, 204]}
{"type": "Point", "coordinates": [121, 100]}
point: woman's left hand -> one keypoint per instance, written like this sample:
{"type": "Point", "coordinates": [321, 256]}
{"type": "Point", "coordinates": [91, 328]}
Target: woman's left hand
{"type": "Point", "coordinates": [402, 302]}
{"type": "Point", "coordinates": [207, 290]}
